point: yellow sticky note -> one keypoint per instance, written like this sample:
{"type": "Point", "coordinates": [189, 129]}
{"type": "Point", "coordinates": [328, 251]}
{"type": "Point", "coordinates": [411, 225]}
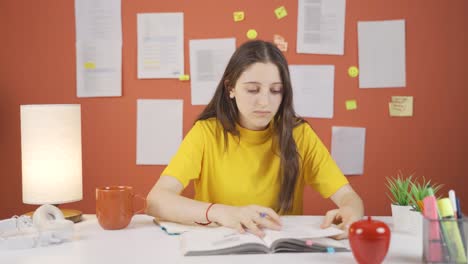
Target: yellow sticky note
{"type": "Point", "coordinates": [89, 65]}
{"type": "Point", "coordinates": [238, 16]}
{"type": "Point", "coordinates": [252, 34]}
{"type": "Point", "coordinates": [280, 12]}
{"type": "Point", "coordinates": [184, 77]}
{"type": "Point", "coordinates": [351, 104]}
{"type": "Point", "coordinates": [353, 71]}
{"type": "Point", "coordinates": [401, 106]}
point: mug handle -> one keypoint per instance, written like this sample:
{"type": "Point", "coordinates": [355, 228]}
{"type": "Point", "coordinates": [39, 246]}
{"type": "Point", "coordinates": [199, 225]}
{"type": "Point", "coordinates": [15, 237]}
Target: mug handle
{"type": "Point", "coordinates": [144, 204]}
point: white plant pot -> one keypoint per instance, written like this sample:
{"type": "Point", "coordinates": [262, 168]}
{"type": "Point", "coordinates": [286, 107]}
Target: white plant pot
{"type": "Point", "coordinates": [402, 218]}
{"type": "Point", "coordinates": [416, 223]}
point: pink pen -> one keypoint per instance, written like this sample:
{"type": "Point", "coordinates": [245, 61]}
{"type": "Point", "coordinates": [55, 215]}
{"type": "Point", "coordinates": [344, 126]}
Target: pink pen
{"type": "Point", "coordinates": [434, 250]}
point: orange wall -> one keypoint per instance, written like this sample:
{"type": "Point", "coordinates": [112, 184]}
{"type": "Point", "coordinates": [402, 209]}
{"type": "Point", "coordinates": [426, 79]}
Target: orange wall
{"type": "Point", "coordinates": [37, 52]}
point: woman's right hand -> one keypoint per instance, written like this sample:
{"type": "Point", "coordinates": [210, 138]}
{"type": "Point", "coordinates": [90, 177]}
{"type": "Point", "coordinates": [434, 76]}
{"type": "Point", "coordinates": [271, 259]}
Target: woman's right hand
{"type": "Point", "coordinates": [251, 218]}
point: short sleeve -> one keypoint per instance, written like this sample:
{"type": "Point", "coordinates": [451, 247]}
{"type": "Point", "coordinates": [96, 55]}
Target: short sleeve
{"type": "Point", "coordinates": [319, 169]}
{"type": "Point", "coordinates": [186, 164]}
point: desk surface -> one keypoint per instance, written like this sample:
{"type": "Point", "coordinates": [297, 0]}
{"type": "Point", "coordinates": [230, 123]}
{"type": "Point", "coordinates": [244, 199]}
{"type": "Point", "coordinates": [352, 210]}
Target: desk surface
{"type": "Point", "coordinates": [143, 242]}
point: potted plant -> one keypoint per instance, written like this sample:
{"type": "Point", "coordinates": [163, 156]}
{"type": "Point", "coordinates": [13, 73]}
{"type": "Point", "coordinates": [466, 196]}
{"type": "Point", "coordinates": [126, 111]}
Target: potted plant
{"type": "Point", "coordinates": [418, 191]}
{"type": "Point", "coordinates": [406, 195]}
{"type": "Point", "coordinates": [400, 194]}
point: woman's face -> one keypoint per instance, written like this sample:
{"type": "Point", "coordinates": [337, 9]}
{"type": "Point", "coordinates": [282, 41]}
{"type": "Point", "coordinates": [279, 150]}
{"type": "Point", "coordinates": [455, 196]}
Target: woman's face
{"type": "Point", "coordinates": [258, 93]}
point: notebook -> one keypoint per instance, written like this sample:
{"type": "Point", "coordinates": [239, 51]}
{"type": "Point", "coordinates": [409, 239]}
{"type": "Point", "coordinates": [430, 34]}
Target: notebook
{"type": "Point", "coordinates": [298, 234]}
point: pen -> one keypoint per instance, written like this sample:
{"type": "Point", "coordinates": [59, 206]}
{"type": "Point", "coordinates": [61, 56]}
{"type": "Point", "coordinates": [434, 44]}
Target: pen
{"type": "Point", "coordinates": [459, 211]}
{"type": "Point", "coordinates": [453, 200]}
{"type": "Point", "coordinates": [460, 222]}
{"type": "Point", "coordinates": [451, 231]}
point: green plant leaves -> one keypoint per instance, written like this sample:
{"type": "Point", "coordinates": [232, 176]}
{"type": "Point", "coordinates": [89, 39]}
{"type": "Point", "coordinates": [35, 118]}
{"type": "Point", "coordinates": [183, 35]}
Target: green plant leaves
{"type": "Point", "coordinates": [406, 191]}
{"type": "Point", "coordinates": [399, 189]}
{"type": "Point", "coordinates": [420, 190]}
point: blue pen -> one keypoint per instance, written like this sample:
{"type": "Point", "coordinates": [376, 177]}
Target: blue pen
{"type": "Point", "coordinates": [460, 221]}
{"type": "Point", "coordinates": [459, 211]}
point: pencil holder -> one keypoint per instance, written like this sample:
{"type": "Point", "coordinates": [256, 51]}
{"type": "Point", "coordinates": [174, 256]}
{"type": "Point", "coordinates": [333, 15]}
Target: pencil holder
{"type": "Point", "coordinates": [445, 240]}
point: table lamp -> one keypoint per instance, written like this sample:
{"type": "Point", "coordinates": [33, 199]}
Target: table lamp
{"type": "Point", "coordinates": [51, 155]}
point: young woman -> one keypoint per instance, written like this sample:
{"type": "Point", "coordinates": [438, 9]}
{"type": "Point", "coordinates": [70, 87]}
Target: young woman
{"type": "Point", "coordinates": [250, 155]}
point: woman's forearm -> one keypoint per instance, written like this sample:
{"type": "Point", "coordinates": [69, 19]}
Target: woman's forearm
{"type": "Point", "coordinates": [352, 200]}
{"type": "Point", "coordinates": [167, 205]}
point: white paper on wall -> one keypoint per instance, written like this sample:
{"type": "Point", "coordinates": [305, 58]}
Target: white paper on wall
{"type": "Point", "coordinates": [98, 69]}
{"type": "Point", "coordinates": [208, 60]}
{"type": "Point", "coordinates": [320, 26]}
{"type": "Point", "coordinates": [98, 48]}
{"type": "Point", "coordinates": [313, 87]}
{"type": "Point", "coordinates": [347, 149]}
{"type": "Point", "coordinates": [381, 46]}
{"type": "Point", "coordinates": [159, 130]}
{"type": "Point", "coordinates": [160, 45]}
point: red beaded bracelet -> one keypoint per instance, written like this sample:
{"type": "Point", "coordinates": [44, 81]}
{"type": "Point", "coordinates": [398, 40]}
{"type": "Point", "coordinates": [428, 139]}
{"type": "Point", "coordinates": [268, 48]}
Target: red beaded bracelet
{"type": "Point", "coordinates": [206, 215]}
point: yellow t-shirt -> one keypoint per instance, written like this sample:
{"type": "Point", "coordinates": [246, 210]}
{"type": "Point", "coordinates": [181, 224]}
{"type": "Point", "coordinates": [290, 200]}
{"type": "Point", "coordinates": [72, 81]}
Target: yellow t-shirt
{"type": "Point", "coordinates": [247, 172]}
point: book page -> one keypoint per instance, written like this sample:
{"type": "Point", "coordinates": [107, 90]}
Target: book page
{"type": "Point", "coordinates": [216, 239]}
{"type": "Point", "coordinates": [299, 227]}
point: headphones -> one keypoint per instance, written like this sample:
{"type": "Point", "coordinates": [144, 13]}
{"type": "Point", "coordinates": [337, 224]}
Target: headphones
{"type": "Point", "coordinates": [47, 226]}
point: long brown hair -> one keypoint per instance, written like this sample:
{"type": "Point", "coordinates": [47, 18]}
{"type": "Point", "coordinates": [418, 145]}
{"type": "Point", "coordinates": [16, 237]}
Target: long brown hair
{"type": "Point", "coordinates": [226, 111]}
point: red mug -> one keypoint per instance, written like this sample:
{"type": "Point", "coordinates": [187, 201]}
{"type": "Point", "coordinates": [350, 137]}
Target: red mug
{"type": "Point", "coordinates": [114, 206]}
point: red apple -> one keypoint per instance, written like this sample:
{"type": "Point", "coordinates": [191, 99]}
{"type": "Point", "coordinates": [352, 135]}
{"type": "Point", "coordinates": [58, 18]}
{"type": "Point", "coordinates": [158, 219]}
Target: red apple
{"type": "Point", "coordinates": [369, 241]}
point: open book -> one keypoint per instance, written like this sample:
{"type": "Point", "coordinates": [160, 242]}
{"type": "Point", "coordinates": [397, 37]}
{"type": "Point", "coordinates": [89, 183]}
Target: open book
{"type": "Point", "coordinates": [298, 234]}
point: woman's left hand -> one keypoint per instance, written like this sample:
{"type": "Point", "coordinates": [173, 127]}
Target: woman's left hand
{"type": "Point", "coordinates": [343, 218]}
{"type": "Point", "coordinates": [350, 209]}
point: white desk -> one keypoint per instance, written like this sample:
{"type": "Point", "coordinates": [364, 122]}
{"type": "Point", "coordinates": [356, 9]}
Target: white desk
{"type": "Point", "coordinates": [143, 242]}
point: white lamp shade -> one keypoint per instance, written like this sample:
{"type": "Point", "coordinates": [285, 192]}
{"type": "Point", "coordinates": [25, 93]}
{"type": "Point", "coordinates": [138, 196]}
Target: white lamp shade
{"type": "Point", "coordinates": [51, 153]}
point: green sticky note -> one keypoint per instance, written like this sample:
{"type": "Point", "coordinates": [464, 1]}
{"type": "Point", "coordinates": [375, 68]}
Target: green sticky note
{"type": "Point", "coordinates": [280, 12]}
{"type": "Point", "coordinates": [351, 105]}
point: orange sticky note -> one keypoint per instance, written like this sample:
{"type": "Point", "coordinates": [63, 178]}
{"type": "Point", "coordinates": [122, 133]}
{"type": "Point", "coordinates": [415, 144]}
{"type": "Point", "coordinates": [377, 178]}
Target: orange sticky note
{"type": "Point", "coordinates": [280, 12]}
{"type": "Point", "coordinates": [238, 16]}
{"type": "Point", "coordinates": [280, 42]}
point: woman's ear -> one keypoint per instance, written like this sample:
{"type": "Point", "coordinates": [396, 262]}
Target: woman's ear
{"type": "Point", "coordinates": [229, 89]}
